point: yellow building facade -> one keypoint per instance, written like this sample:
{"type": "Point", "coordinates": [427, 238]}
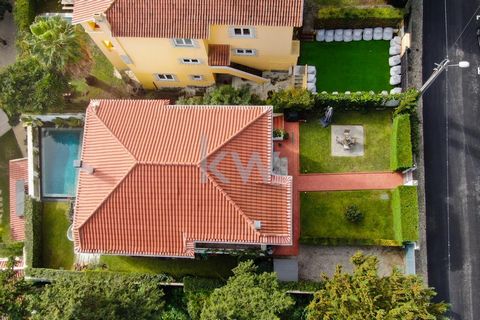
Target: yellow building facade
{"type": "Point", "coordinates": [225, 51]}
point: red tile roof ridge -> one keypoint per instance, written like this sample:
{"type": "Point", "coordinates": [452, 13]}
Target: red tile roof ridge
{"type": "Point", "coordinates": [212, 106]}
{"type": "Point", "coordinates": [107, 196]}
{"type": "Point", "coordinates": [19, 159]}
{"type": "Point", "coordinates": [267, 110]}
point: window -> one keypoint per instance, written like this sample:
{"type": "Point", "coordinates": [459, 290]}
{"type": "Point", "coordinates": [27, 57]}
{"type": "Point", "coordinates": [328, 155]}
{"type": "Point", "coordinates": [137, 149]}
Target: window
{"type": "Point", "coordinates": [197, 77]}
{"type": "Point", "coordinates": [165, 77]}
{"type": "Point", "coordinates": [245, 52]}
{"type": "Point", "coordinates": [242, 32]}
{"type": "Point", "coordinates": [190, 61]}
{"type": "Point", "coordinates": [183, 42]}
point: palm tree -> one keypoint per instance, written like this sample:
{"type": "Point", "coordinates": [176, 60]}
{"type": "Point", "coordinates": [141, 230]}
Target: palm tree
{"type": "Point", "coordinates": [54, 43]}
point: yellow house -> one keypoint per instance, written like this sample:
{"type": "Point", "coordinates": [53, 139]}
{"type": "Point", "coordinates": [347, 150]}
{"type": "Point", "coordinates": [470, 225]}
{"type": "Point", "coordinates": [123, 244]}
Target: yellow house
{"type": "Point", "coordinates": [180, 43]}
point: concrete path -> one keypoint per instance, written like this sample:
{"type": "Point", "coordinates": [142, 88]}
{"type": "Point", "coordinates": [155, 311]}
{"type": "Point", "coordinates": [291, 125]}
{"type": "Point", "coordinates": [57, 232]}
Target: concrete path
{"type": "Point", "coordinates": [8, 31]}
{"type": "Point", "coordinates": [21, 136]}
{"type": "Point", "coordinates": [4, 125]}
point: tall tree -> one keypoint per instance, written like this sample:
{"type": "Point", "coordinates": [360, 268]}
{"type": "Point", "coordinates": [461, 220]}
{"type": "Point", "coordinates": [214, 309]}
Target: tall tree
{"type": "Point", "coordinates": [13, 291]}
{"type": "Point", "coordinates": [54, 42]}
{"type": "Point", "coordinates": [364, 295]}
{"type": "Point", "coordinates": [100, 296]}
{"type": "Point", "coordinates": [247, 295]}
{"type": "Point", "coordinates": [26, 86]}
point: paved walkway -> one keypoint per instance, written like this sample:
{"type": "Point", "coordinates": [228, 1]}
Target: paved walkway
{"type": "Point", "coordinates": [8, 32]}
{"type": "Point", "coordinates": [322, 181]}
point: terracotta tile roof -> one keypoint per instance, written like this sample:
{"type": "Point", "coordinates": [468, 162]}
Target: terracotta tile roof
{"type": "Point", "coordinates": [218, 55]}
{"type": "Point", "coordinates": [18, 267]}
{"type": "Point", "coordinates": [18, 170]}
{"type": "Point", "coordinates": [155, 190]}
{"type": "Point", "coordinates": [188, 18]}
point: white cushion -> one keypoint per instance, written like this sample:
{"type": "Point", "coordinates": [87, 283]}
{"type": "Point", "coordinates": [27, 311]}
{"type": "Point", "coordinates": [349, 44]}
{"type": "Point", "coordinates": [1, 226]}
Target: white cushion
{"type": "Point", "coordinates": [329, 35]}
{"type": "Point", "coordinates": [396, 49]}
{"type": "Point", "coordinates": [396, 79]}
{"type": "Point", "coordinates": [367, 34]}
{"type": "Point", "coordinates": [387, 33]}
{"type": "Point", "coordinates": [311, 78]}
{"type": "Point", "coordinates": [396, 40]}
{"type": "Point", "coordinates": [320, 35]}
{"type": "Point", "coordinates": [338, 35]}
{"type": "Point", "coordinates": [311, 70]}
{"type": "Point", "coordinates": [394, 60]}
{"type": "Point", "coordinates": [378, 33]}
{"type": "Point", "coordinates": [396, 90]}
{"type": "Point", "coordinates": [347, 35]}
{"type": "Point", "coordinates": [395, 70]}
{"type": "Point", "coordinates": [357, 34]}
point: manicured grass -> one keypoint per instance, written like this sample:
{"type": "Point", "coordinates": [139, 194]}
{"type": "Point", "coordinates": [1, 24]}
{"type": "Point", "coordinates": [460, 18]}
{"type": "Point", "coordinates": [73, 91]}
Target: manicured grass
{"type": "Point", "coordinates": [323, 215]}
{"type": "Point", "coordinates": [8, 150]}
{"type": "Point", "coordinates": [213, 267]}
{"type": "Point", "coordinates": [352, 66]}
{"type": "Point", "coordinates": [57, 250]}
{"type": "Point", "coordinates": [315, 144]}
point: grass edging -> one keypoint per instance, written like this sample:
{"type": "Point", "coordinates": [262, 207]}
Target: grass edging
{"type": "Point", "coordinates": [401, 147]}
{"type": "Point", "coordinates": [405, 213]}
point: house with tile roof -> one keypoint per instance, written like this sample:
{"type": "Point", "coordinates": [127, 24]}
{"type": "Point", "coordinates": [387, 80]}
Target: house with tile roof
{"type": "Point", "coordinates": [180, 43]}
{"type": "Point", "coordinates": [169, 181]}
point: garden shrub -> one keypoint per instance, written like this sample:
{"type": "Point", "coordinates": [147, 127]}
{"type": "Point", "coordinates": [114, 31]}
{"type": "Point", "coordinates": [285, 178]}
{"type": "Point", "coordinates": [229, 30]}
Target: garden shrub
{"type": "Point", "coordinates": [12, 249]}
{"type": "Point", "coordinates": [408, 105]}
{"type": "Point", "coordinates": [353, 214]}
{"type": "Point", "coordinates": [223, 95]}
{"type": "Point", "coordinates": [355, 100]}
{"type": "Point", "coordinates": [405, 213]}
{"type": "Point", "coordinates": [302, 286]}
{"type": "Point", "coordinates": [401, 146]}
{"type": "Point", "coordinates": [354, 17]}
{"type": "Point", "coordinates": [33, 232]}
{"type": "Point", "coordinates": [199, 284]}
{"type": "Point", "coordinates": [293, 99]}
{"type": "Point", "coordinates": [343, 241]}
{"type": "Point", "coordinates": [24, 14]}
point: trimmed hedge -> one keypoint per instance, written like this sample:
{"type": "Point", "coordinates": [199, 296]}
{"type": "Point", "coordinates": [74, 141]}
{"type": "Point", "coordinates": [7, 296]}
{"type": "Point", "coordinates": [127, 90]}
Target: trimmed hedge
{"type": "Point", "coordinates": [341, 241]}
{"type": "Point", "coordinates": [355, 100]}
{"type": "Point", "coordinates": [303, 286]}
{"type": "Point", "coordinates": [198, 284]}
{"type": "Point", "coordinates": [12, 249]}
{"type": "Point", "coordinates": [33, 232]}
{"type": "Point", "coordinates": [354, 17]}
{"type": "Point", "coordinates": [401, 147]}
{"type": "Point", "coordinates": [408, 105]}
{"type": "Point", "coordinates": [24, 14]}
{"type": "Point", "coordinates": [405, 213]}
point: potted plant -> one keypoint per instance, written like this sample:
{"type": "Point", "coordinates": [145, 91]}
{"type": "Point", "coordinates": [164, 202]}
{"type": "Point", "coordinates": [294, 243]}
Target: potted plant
{"type": "Point", "coordinates": [279, 135]}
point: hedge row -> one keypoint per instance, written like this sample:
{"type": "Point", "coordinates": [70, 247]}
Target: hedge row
{"type": "Point", "coordinates": [401, 146]}
{"type": "Point", "coordinates": [341, 241]}
{"type": "Point", "coordinates": [12, 249]}
{"type": "Point", "coordinates": [199, 284]}
{"type": "Point", "coordinates": [302, 286]}
{"type": "Point", "coordinates": [405, 213]}
{"type": "Point", "coordinates": [353, 17]}
{"type": "Point", "coordinates": [408, 105]}
{"type": "Point", "coordinates": [24, 13]}
{"type": "Point", "coordinates": [33, 232]}
{"type": "Point", "coordinates": [355, 100]}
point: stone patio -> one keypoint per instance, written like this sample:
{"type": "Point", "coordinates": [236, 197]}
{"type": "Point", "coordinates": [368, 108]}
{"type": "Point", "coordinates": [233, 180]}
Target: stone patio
{"type": "Point", "coordinates": [357, 150]}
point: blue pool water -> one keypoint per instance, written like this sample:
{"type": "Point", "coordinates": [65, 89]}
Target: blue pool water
{"type": "Point", "coordinates": [60, 147]}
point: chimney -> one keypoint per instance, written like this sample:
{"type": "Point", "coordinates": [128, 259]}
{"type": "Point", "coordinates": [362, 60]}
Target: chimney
{"type": "Point", "coordinates": [257, 224]}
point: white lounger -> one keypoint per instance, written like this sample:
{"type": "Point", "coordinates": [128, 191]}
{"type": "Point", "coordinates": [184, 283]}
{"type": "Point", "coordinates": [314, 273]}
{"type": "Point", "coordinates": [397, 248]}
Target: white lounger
{"type": "Point", "coordinates": [396, 79]}
{"type": "Point", "coordinates": [395, 49]}
{"type": "Point", "coordinates": [347, 35]}
{"type": "Point", "coordinates": [320, 35]}
{"type": "Point", "coordinates": [329, 35]}
{"type": "Point", "coordinates": [394, 60]}
{"type": "Point", "coordinates": [378, 33]}
{"type": "Point", "coordinates": [367, 34]}
{"type": "Point", "coordinates": [338, 35]}
{"type": "Point", "coordinates": [387, 33]}
{"type": "Point", "coordinates": [395, 70]}
{"type": "Point", "coordinates": [357, 34]}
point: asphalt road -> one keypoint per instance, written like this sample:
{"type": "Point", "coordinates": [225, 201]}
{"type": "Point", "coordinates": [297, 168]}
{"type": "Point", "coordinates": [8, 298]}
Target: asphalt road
{"type": "Point", "coordinates": [452, 155]}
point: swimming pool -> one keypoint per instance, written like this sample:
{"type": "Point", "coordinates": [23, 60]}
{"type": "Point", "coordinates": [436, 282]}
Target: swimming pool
{"type": "Point", "coordinates": [60, 147]}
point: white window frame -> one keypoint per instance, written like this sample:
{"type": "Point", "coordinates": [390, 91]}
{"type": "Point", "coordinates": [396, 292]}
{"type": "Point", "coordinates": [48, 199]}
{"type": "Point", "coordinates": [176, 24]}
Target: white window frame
{"type": "Point", "coordinates": [197, 77]}
{"type": "Point", "coordinates": [182, 42]}
{"type": "Point", "coordinates": [245, 52]}
{"type": "Point", "coordinates": [165, 77]}
{"type": "Point", "coordinates": [242, 34]}
{"type": "Point", "coordinates": [190, 61]}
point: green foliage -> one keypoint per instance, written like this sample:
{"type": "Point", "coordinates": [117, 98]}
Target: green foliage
{"type": "Point", "coordinates": [302, 286]}
{"type": "Point", "coordinates": [401, 146]}
{"type": "Point", "coordinates": [12, 294]}
{"type": "Point", "coordinates": [354, 215]}
{"type": "Point", "coordinates": [11, 249]}
{"type": "Point", "coordinates": [292, 99]}
{"type": "Point", "coordinates": [247, 295]}
{"type": "Point", "coordinates": [5, 6]}
{"type": "Point", "coordinates": [33, 232]}
{"type": "Point", "coordinates": [364, 295]}
{"type": "Point", "coordinates": [280, 133]}
{"type": "Point", "coordinates": [355, 17]}
{"type": "Point", "coordinates": [198, 284]}
{"type": "Point", "coordinates": [223, 95]}
{"type": "Point", "coordinates": [24, 14]}
{"type": "Point", "coordinates": [29, 87]}
{"type": "Point", "coordinates": [174, 314]}
{"type": "Point", "coordinates": [356, 100]}
{"type": "Point", "coordinates": [408, 105]}
{"type": "Point", "coordinates": [54, 42]}
{"type": "Point", "coordinates": [405, 213]}
{"type": "Point", "coordinates": [108, 296]}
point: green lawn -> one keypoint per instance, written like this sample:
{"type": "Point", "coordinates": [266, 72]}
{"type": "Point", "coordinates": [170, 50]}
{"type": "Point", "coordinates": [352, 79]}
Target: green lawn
{"type": "Point", "coordinates": [315, 144]}
{"type": "Point", "coordinates": [8, 150]}
{"type": "Point", "coordinates": [57, 250]}
{"type": "Point", "coordinates": [323, 215]}
{"type": "Point", "coordinates": [214, 267]}
{"type": "Point", "coordinates": [348, 66]}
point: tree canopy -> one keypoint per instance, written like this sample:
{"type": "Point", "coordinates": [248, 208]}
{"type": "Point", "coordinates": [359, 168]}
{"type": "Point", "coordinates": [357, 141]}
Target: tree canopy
{"type": "Point", "coordinates": [13, 289]}
{"type": "Point", "coordinates": [100, 296]}
{"type": "Point", "coordinates": [292, 99]}
{"type": "Point", "coordinates": [364, 295]}
{"type": "Point", "coordinates": [247, 295]}
{"type": "Point", "coordinates": [223, 95]}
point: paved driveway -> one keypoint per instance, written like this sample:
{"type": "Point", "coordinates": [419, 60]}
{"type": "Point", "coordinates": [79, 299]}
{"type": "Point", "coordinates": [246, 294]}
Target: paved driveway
{"type": "Point", "coordinates": [8, 32]}
{"type": "Point", "coordinates": [313, 260]}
